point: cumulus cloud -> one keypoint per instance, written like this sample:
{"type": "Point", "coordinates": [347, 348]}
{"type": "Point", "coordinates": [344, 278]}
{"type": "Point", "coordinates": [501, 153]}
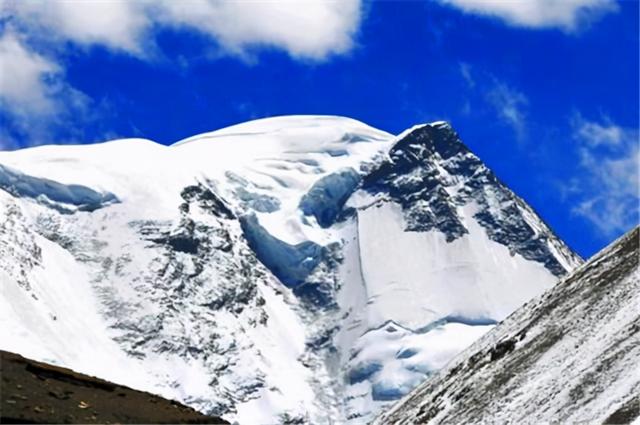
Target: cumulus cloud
{"type": "Point", "coordinates": [509, 105]}
{"type": "Point", "coordinates": [567, 15]}
{"type": "Point", "coordinates": [117, 24]}
{"type": "Point", "coordinates": [23, 76]}
{"type": "Point", "coordinates": [33, 93]}
{"type": "Point", "coordinates": [310, 29]}
{"type": "Point", "coordinates": [36, 35]}
{"type": "Point", "coordinates": [610, 186]}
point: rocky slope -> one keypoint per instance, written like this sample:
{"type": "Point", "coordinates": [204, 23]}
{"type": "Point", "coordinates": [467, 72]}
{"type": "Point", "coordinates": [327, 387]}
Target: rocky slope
{"type": "Point", "coordinates": [568, 356]}
{"type": "Point", "coordinates": [34, 392]}
{"type": "Point", "coordinates": [292, 269]}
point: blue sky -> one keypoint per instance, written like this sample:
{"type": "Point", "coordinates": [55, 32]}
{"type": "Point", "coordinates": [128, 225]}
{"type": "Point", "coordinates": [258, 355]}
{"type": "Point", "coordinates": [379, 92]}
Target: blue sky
{"type": "Point", "coordinates": [544, 91]}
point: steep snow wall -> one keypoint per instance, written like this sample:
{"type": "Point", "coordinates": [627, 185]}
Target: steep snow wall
{"type": "Point", "coordinates": [570, 355]}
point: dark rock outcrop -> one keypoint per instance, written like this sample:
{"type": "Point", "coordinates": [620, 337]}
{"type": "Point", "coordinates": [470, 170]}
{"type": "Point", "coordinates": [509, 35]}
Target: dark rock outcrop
{"type": "Point", "coordinates": [34, 392]}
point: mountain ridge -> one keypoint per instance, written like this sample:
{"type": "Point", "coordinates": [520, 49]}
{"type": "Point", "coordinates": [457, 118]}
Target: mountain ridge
{"type": "Point", "coordinates": [261, 277]}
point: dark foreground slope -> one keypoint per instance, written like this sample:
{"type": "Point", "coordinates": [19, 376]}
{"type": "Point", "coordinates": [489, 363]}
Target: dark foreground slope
{"type": "Point", "coordinates": [34, 392]}
{"type": "Point", "coordinates": [571, 355]}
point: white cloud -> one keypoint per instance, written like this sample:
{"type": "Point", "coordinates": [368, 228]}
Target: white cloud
{"type": "Point", "coordinates": [312, 29]}
{"type": "Point", "coordinates": [309, 29]}
{"type": "Point", "coordinates": [33, 91]}
{"type": "Point", "coordinates": [609, 189]}
{"type": "Point", "coordinates": [567, 15]}
{"type": "Point", "coordinates": [23, 76]}
{"type": "Point", "coordinates": [465, 72]}
{"type": "Point", "coordinates": [117, 24]}
{"type": "Point", "coordinates": [34, 96]}
{"type": "Point", "coordinates": [597, 134]}
{"type": "Point", "coordinates": [510, 106]}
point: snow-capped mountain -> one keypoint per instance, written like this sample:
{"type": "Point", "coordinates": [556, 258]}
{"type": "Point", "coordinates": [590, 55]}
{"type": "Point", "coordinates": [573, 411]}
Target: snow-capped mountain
{"type": "Point", "coordinates": [570, 355]}
{"type": "Point", "coordinates": [291, 269]}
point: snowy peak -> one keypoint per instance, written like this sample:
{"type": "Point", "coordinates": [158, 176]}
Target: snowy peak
{"type": "Point", "coordinates": [265, 167]}
{"type": "Point", "coordinates": [305, 268]}
{"type": "Point", "coordinates": [569, 356]}
{"type": "Point", "coordinates": [433, 176]}
{"type": "Point", "coordinates": [431, 242]}
{"type": "Point", "coordinates": [347, 129]}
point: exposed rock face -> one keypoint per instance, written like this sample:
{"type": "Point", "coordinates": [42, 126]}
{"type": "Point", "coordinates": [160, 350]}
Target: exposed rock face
{"type": "Point", "coordinates": [431, 174]}
{"type": "Point", "coordinates": [568, 356]}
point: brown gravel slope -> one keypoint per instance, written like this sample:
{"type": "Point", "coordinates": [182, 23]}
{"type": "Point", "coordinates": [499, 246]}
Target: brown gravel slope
{"type": "Point", "coordinates": [34, 392]}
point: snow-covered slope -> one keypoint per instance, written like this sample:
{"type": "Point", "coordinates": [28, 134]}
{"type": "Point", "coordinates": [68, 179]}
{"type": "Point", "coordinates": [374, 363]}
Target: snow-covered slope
{"type": "Point", "coordinates": [568, 356]}
{"type": "Point", "coordinates": [304, 268]}
{"type": "Point", "coordinates": [178, 306]}
{"type": "Point", "coordinates": [438, 241]}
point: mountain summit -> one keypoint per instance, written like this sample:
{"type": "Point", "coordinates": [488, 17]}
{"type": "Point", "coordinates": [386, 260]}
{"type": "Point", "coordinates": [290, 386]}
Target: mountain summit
{"type": "Point", "coordinates": [290, 269]}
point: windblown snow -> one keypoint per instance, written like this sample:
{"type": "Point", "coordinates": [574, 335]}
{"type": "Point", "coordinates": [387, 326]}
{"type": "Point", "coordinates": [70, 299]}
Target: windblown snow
{"type": "Point", "coordinates": [291, 269]}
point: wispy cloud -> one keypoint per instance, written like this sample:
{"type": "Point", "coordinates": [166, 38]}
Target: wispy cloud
{"type": "Point", "coordinates": [510, 106]}
{"type": "Point", "coordinates": [465, 72]}
{"type": "Point", "coordinates": [567, 15]}
{"type": "Point", "coordinates": [608, 192]}
{"type": "Point", "coordinates": [507, 103]}
{"type": "Point", "coordinates": [594, 133]}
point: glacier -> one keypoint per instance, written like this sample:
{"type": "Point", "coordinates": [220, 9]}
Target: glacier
{"type": "Point", "coordinates": [327, 196]}
{"type": "Point", "coordinates": [292, 264]}
{"type": "Point", "coordinates": [296, 269]}
{"type": "Point", "coordinates": [64, 198]}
